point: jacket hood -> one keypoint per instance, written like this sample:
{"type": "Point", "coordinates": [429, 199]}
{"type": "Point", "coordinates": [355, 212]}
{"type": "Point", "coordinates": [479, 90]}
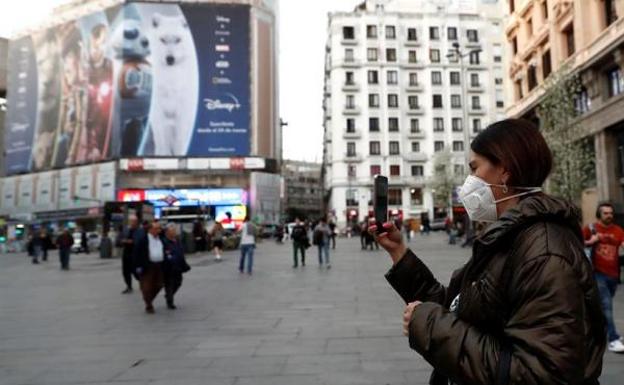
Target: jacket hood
{"type": "Point", "coordinates": [535, 208]}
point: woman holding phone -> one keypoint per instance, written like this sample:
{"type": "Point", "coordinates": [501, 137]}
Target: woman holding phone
{"type": "Point", "coordinates": [525, 308]}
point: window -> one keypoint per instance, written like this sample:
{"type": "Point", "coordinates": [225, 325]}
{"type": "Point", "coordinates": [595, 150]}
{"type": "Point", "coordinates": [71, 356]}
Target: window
{"type": "Point", "coordinates": [351, 125]}
{"type": "Point", "coordinates": [434, 55]}
{"type": "Point", "coordinates": [458, 146]}
{"type": "Point", "coordinates": [411, 56]}
{"type": "Point", "coordinates": [476, 103]}
{"type": "Point", "coordinates": [393, 100]}
{"type": "Point", "coordinates": [545, 10]}
{"type": "Point", "coordinates": [352, 197]}
{"type": "Point", "coordinates": [569, 39]}
{"type": "Point", "coordinates": [371, 31]}
{"type": "Point", "coordinates": [416, 197]}
{"type": "Point", "coordinates": [546, 64]}
{"type": "Point", "coordinates": [393, 148]}
{"type": "Point", "coordinates": [373, 77]}
{"type": "Point", "coordinates": [349, 55]}
{"type": "Point", "coordinates": [452, 56]}
{"type": "Point", "coordinates": [352, 171]}
{"type": "Point", "coordinates": [350, 149]}
{"type": "Point", "coordinates": [616, 81]}
{"type": "Point", "coordinates": [437, 101]}
{"type": "Point", "coordinates": [459, 170]}
{"type": "Point", "coordinates": [582, 101]}
{"type": "Point", "coordinates": [373, 100]}
{"type": "Point", "coordinates": [375, 170]}
{"type": "Point", "coordinates": [373, 124]}
{"type": "Point", "coordinates": [374, 148]}
{"type": "Point", "coordinates": [372, 54]}
{"type": "Point", "coordinates": [438, 146]}
{"type": "Point", "coordinates": [395, 170]}
{"type": "Point", "coordinates": [455, 101]}
{"type": "Point", "coordinates": [418, 171]}
{"type": "Point", "coordinates": [413, 79]}
{"type": "Point", "coordinates": [498, 81]}
{"type": "Point", "coordinates": [348, 33]}
{"type": "Point", "coordinates": [476, 125]}
{"type": "Point", "coordinates": [474, 80]}
{"type": "Point", "coordinates": [411, 34]}
{"type": "Point", "coordinates": [438, 124]}
{"type": "Point", "coordinates": [474, 57]}
{"type": "Point", "coordinates": [349, 79]}
{"type": "Point", "coordinates": [451, 33]}
{"type": "Point", "coordinates": [412, 101]}
{"type": "Point", "coordinates": [350, 101]}
{"type": "Point", "coordinates": [390, 32]}
{"type": "Point", "coordinates": [436, 77]}
{"type": "Point", "coordinates": [415, 146]}
{"type": "Point", "coordinates": [514, 45]}
{"type": "Point", "coordinates": [395, 196]}
{"type": "Point", "coordinates": [414, 125]}
{"type": "Point", "coordinates": [455, 79]}
{"type": "Point", "coordinates": [610, 11]}
{"type": "Point", "coordinates": [473, 35]}
{"type": "Point", "coordinates": [532, 77]}
{"type": "Point", "coordinates": [500, 99]}
{"type": "Point", "coordinates": [391, 55]}
{"type": "Point", "coordinates": [456, 124]}
{"type": "Point", "coordinates": [497, 53]}
{"type": "Point", "coordinates": [529, 27]}
{"type": "Point", "coordinates": [393, 124]}
{"type": "Point", "coordinates": [518, 89]}
{"type": "Point", "coordinates": [393, 77]}
{"type": "Point", "coordinates": [434, 33]}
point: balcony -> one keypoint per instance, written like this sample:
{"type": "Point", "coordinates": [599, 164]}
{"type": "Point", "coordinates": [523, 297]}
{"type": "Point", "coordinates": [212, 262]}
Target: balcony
{"type": "Point", "coordinates": [353, 158]}
{"type": "Point", "coordinates": [415, 181]}
{"type": "Point", "coordinates": [416, 135]}
{"type": "Point", "coordinates": [415, 110]}
{"type": "Point", "coordinates": [412, 64]}
{"type": "Point", "coordinates": [351, 110]}
{"type": "Point", "coordinates": [476, 110]}
{"type": "Point", "coordinates": [470, 45]}
{"type": "Point", "coordinates": [351, 63]}
{"type": "Point", "coordinates": [415, 87]}
{"type": "Point", "coordinates": [412, 43]}
{"type": "Point", "coordinates": [476, 87]}
{"type": "Point", "coordinates": [349, 41]}
{"type": "Point", "coordinates": [350, 87]}
{"type": "Point", "coordinates": [416, 157]}
{"type": "Point", "coordinates": [356, 134]}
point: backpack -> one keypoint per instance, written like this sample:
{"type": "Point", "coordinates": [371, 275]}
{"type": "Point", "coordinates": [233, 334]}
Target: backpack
{"type": "Point", "coordinates": [317, 237]}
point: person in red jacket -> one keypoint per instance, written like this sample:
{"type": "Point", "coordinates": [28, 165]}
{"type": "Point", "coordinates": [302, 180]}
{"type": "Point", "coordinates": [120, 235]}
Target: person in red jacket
{"type": "Point", "coordinates": [605, 239]}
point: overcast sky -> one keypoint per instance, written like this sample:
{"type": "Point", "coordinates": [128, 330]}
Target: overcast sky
{"type": "Point", "coordinates": [302, 38]}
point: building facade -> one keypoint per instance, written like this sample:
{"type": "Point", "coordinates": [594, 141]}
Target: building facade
{"type": "Point", "coordinates": [586, 36]}
{"type": "Point", "coordinates": [397, 93]}
{"type": "Point", "coordinates": [303, 190]}
{"type": "Point", "coordinates": [170, 102]}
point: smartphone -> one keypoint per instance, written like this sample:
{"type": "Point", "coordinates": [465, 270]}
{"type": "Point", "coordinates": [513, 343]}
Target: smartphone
{"type": "Point", "coordinates": [380, 201]}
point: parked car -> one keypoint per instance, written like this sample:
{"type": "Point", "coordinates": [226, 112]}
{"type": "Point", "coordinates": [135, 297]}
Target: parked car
{"type": "Point", "coordinates": [93, 241]}
{"type": "Point", "coordinates": [438, 224]}
{"type": "Point", "coordinates": [267, 230]}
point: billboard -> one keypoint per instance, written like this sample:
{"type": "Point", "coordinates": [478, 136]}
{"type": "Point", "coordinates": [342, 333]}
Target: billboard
{"type": "Point", "coordinates": [142, 79]}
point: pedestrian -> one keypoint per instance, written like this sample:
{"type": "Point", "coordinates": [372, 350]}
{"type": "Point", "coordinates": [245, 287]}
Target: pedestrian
{"type": "Point", "coordinates": [525, 309]}
{"type": "Point", "coordinates": [37, 243]}
{"type": "Point", "coordinates": [84, 244]}
{"type": "Point", "coordinates": [46, 244]}
{"type": "Point", "coordinates": [332, 228]}
{"type": "Point", "coordinates": [148, 258]}
{"type": "Point", "coordinates": [321, 237]}
{"type": "Point", "coordinates": [426, 225]}
{"type": "Point", "coordinates": [248, 245]}
{"type": "Point", "coordinates": [64, 242]}
{"type": "Point", "coordinates": [299, 236]}
{"type": "Point", "coordinates": [174, 264]}
{"type": "Point", "coordinates": [364, 236]}
{"type": "Point", "coordinates": [604, 238]}
{"type": "Point", "coordinates": [199, 235]}
{"type": "Point", "coordinates": [127, 256]}
{"type": "Point", "coordinates": [106, 246]}
{"type": "Point", "coordinates": [217, 234]}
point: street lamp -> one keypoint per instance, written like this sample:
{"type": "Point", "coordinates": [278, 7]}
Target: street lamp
{"type": "Point", "coordinates": [460, 55]}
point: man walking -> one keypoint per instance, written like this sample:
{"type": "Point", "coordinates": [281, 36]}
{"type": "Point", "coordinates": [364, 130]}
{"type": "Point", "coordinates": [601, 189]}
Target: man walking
{"type": "Point", "coordinates": [321, 237]}
{"type": "Point", "coordinates": [300, 239]}
{"type": "Point", "coordinates": [605, 238]}
{"type": "Point", "coordinates": [127, 242]}
{"type": "Point", "coordinates": [332, 227]}
{"type": "Point", "coordinates": [174, 265]}
{"type": "Point", "coordinates": [65, 242]}
{"type": "Point", "coordinates": [248, 244]}
{"type": "Point", "coordinates": [148, 262]}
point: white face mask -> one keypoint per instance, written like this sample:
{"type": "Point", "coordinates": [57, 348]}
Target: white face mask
{"type": "Point", "coordinates": [478, 199]}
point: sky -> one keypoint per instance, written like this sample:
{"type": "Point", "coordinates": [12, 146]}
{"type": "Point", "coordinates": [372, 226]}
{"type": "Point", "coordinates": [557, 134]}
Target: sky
{"type": "Point", "coordinates": [302, 36]}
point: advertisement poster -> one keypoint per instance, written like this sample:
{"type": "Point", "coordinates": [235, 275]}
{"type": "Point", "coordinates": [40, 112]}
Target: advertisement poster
{"type": "Point", "coordinates": [137, 80]}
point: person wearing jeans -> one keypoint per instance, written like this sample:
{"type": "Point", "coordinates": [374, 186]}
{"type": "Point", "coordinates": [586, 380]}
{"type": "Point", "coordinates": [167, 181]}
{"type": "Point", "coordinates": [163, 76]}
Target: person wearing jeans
{"type": "Point", "coordinates": [604, 238]}
{"type": "Point", "coordinates": [65, 242]}
{"type": "Point", "coordinates": [248, 244]}
{"type": "Point", "coordinates": [322, 236]}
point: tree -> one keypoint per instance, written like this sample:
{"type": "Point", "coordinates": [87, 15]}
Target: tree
{"type": "Point", "coordinates": [573, 154]}
{"type": "Point", "coordinates": [443, 180]}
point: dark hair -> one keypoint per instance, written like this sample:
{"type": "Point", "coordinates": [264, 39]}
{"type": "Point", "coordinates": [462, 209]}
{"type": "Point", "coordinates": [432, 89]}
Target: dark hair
{"type": "Point", "coordinates": [600, 206]}
{"type": "Point", "coordinates": [518, 146]}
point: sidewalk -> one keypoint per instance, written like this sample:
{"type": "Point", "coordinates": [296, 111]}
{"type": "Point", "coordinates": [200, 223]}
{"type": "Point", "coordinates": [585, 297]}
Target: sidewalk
{"type": "Point", "coordinates": [279, 326]}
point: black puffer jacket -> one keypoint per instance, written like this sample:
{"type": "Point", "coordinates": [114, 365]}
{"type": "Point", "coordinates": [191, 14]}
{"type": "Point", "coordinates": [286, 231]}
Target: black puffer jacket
{"type": "Point", "coordinates": [528, 310]}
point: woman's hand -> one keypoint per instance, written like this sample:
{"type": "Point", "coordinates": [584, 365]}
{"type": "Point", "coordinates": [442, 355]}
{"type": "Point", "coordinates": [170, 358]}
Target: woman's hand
{"type": "Point", "coordinates": [407, 316]}
{"type": "Point", "coordinates": [390, 239]}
